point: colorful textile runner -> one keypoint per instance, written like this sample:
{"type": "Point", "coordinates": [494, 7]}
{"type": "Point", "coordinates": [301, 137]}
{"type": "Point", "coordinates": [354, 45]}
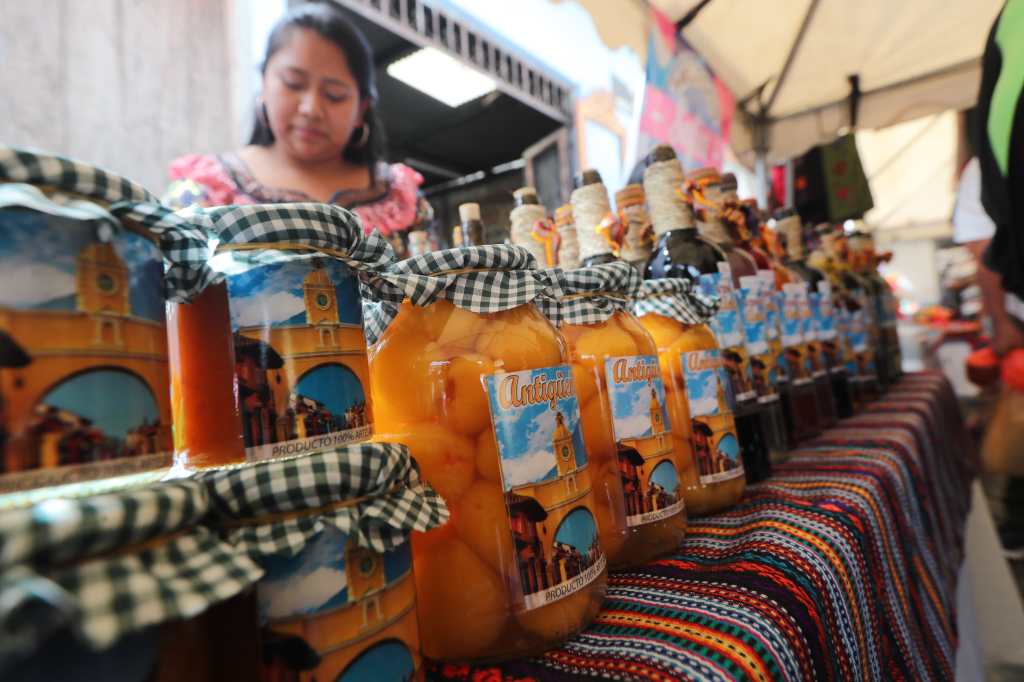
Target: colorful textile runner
{"type": "Point", "coordinates": [842, 566]}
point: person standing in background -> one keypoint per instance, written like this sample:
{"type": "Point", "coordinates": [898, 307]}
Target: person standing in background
{"type": "Point", "coordinates": [316, 136]}
{"type": "Point", "coordinates": [999, 133]}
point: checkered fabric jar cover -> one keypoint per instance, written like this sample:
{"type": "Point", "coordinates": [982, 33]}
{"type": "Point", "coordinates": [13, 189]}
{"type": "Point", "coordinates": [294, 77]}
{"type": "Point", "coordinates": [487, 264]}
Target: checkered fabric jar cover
{"type": "Point", "coordinates": [481, 279]}
{"type": "Point", "coordinates": [675, 298]}
{"type": "Point", "coordinates": [107, 559]}
{"type": "Point", "coordinates": [591, 295]}
{"type": "Point", "coordinates": [371, 492]}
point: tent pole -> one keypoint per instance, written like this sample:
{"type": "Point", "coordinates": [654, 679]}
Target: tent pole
{"type": "Point", "coordinates": [759, 124]}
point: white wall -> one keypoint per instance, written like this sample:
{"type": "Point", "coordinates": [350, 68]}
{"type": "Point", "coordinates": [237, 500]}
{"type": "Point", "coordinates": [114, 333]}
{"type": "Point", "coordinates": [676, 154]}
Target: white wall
{"type": "Point", "coordinates": [122, 84]}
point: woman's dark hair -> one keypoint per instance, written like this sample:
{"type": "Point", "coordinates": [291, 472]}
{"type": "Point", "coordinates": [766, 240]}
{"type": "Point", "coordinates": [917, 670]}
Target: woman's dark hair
{"type": "Point", "coordinates": [331, 24]}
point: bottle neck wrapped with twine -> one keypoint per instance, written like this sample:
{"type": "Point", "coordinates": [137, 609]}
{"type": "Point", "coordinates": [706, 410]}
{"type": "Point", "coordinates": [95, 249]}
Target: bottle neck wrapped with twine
{"type": "Point", "coordinates": [591, 212]}
{"type": "Point", "coordinates": [568, 245]}
{"type": "Point", "coordinates": [523, 232]}
{"type": "Point", "coordinates": [663, 181]}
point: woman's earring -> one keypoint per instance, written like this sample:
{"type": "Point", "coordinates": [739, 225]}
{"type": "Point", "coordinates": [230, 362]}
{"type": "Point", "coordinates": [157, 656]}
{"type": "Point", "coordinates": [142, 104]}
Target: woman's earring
{"type": "Point", "coordinates": [364, 137]}
{"type": "Point", "coordinates": [264, 118]}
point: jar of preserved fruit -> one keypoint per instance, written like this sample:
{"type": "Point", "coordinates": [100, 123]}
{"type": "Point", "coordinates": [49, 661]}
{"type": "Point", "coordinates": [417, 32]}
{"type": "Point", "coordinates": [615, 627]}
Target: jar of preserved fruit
{"type": "Point", "coordinates": [479, 385]}
{"type": "Point", "coordinates": [639, 502]}
{"type": "Point", "coordinates": [697, 391]}
{"type": "Point", "coordinates": [83, 342]}
{"type": "Point", "coordinates": [118, 579]}
{"type": "Point", "coordinates": [330, 531]}
{"type": "Point", "coordinates": [269, 359]}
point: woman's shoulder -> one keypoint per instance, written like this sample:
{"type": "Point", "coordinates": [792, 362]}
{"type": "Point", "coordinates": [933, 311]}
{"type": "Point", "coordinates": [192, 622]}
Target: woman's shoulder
{"type": "Point", "coordinates": [203, 179]}
{"type": "Point", "coordinates": [400, 205]}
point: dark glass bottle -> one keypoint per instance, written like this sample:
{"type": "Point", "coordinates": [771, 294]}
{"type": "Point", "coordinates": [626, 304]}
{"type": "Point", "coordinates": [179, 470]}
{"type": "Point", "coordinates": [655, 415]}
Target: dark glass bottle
{"type": "Point", "coordinates": [681, 252]}
{"type": "Point", "coordinates": [793, 230]}
{"type": "Point", "coordinates": [887, 357]}
{"type": "Point", "coordinates": [592, 215]}
{"type": "Point", "coordinates": [470, 231]}
{"type": "Point", "coordinates": [854, 294]}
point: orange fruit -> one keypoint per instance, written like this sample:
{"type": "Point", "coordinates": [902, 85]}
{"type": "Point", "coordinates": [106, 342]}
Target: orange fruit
{"type": "Point", "coordinates": [488, 465]}
{"type": "Point", "coordinates": [447, 460]}
{"type": "Point", "coordinates": [466, 406]}
{"type": "Point", "coordinates": [482, 523]}
{"type": "Point", "coordinates": [461, 604]}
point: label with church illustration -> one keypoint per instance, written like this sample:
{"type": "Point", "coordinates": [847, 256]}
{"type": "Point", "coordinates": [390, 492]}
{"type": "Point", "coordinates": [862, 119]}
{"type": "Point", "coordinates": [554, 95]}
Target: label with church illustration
{"type": "Point", "coordinates": [753, 300]}
{"type": "Point", "coordinates": [84, 389]}
{"type": "Point", "coordinates": [727, 326]}
{"type": "Point", "coordinates": [795, 312]}
{"type": "Point", "coordinates": [546, 482]}
{"type": "Point", "coordinates": [353, 607]}
{"type": "Point", "coordinates": [824, 313]}
{"type": "Point", "coordinates": [300, 357]}
{"type": "Point", "coordinates": [862, 366]}
{"type": "Point", "coordinates": [647, 463]}
{"type": "Point", "coordinates": [777, 303]}
{"type": "Point", "coordinates": [716, 447]}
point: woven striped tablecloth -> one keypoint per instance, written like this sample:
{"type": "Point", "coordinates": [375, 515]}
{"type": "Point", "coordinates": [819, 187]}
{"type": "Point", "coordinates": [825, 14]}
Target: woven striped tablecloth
{"type": "Point", "coordinates": [842, 566]}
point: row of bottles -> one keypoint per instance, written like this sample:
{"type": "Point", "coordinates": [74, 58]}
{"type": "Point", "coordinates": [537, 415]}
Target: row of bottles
{"type": "Point", "coordinates": [806, 325]}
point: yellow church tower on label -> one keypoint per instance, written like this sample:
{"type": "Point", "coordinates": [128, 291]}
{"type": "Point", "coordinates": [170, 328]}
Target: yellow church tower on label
{"type": "Point", "coordinates": [320, 296]}
{"type": "Point", "coordinates": [565, 451]}
{"type": "Point", "coordinates": [657, 416]}
{"type": "Point", "coordinates": [102, 281]}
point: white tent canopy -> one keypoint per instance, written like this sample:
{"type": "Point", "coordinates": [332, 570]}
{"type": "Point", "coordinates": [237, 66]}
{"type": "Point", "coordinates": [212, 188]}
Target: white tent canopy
{"type": "Point", "coordinates": [790, 62]}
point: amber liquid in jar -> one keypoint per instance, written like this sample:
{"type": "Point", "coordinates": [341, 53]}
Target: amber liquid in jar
{"type": "Point", "coordinates": [203, 393]}
{"type": "Point", "coordinates": [474, 576]}
{"type": "Point", "coordinates": [673, 338]}
{"type": "Point", "coordinates": [634, 476]}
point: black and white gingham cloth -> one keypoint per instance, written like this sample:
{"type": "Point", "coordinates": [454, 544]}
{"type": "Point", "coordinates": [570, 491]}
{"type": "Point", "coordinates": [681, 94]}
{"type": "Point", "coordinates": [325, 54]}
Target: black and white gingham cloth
{"type": "Point", "coordinates": [68, 563]}
{"type": "Point", "coordinates": [581, 300]}
{"type": "Point", "coordinates": [189, 239]}
{"type": "Point", "coordinates": [675, 298]}
{"type": "Point", "coordinates": [396, 501]}
{"type": "Point", "coordinates": [60, 173]}
{"type": "Point", "coordinates": [193, 238]}
{"type": "Point", "coordinates": [501, 277]}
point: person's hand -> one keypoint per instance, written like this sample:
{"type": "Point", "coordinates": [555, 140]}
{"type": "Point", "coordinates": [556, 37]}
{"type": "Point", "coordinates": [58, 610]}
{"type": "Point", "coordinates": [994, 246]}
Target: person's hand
{"type": "Point", "coordinates": [1007, 337]}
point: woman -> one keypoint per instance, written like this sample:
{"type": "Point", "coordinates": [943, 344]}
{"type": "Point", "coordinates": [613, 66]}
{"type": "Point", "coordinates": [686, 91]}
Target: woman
{"type": "Point", "coordinates": [317, 135]}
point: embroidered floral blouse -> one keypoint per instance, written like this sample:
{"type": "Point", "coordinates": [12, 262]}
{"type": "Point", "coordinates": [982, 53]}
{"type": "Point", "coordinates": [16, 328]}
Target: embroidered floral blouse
{"type": "Point", "coordinates": [392, 204]}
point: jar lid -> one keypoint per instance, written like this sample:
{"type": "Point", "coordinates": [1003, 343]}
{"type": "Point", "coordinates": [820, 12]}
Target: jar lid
{"type": "Point", "coordinates": [371, 492]}
{"type": "Point", "coordinates": [109, 564]}
{"type": "Point", "coordinates": [590, 295]}
{"type": "Point", "coordinates": [675, 298]}
{"type": "Point", "coordinates": [480, 279]}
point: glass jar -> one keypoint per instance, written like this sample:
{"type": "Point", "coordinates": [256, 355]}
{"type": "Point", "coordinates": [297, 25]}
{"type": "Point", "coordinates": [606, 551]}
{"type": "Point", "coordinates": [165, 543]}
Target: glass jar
{"type": "Point", "coordinates": [129, 583]}
{"type": "Point", "coordinates": [270, 361]}
{"type": "Point", "coordinates": [487, 404]}
{"type": "Point", "coordinates": [699, 402]}
{"type": "Point", "coordinates": [639, 505]}
{"type": "Point", "coordinates": [83, 343]}
{"type": "Point", "coordinates": [337, 598]}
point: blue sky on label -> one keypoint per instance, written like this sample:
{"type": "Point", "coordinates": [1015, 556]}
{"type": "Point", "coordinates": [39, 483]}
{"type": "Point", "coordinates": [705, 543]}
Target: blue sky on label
{"type": "Point", "coordinates": [272, 294]}
{"type": "Point", "coordinates": [308, 581]}
{"type": "Point", "coordinates": [114, 400]}
{"type": "Point", "coordinates": [38, 260]}
{"type": "Point", "coordinates": [631, 402]}
{"type": "Point", "coordinates": [524, 434]}
{"type": "Point", "coordinates": [666, 476]}
{"type": "Point", "coordinates": [577, 529]}
{"type": "Point", "coordinates": [702, 387]}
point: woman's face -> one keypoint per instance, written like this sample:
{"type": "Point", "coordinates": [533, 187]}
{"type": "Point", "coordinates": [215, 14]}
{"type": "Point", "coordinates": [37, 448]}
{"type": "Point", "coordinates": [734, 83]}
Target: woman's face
{"type": "Point", "coordinates": [312, 98]}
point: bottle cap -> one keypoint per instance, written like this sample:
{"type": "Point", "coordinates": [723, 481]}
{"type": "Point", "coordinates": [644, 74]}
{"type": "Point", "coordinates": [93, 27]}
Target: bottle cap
{"type": "Point", "coordinates": [470, 211]}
